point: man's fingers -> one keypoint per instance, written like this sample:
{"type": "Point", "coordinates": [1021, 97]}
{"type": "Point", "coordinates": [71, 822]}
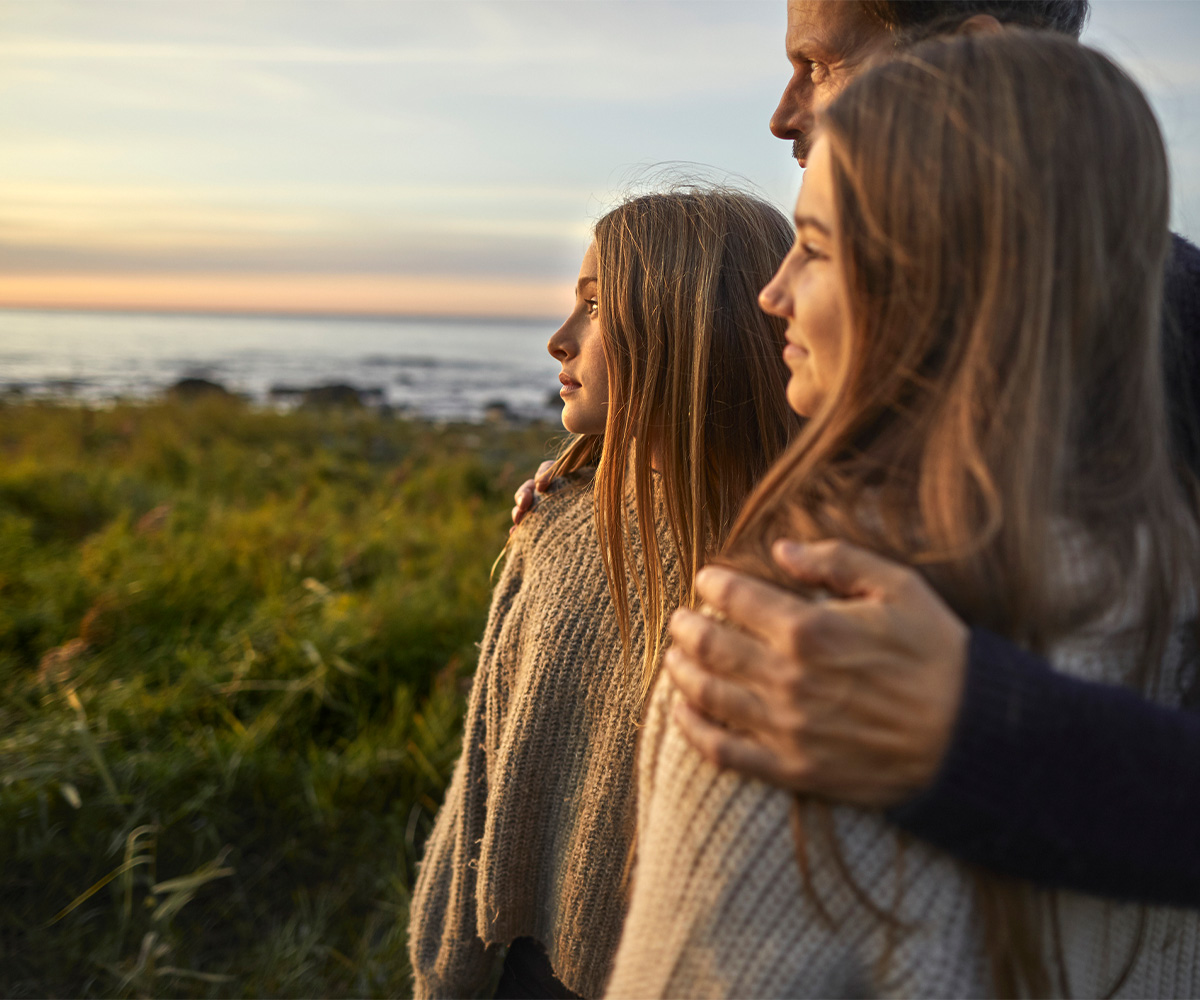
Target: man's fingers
{"type": "Point", "coordinates": [778, 617]}
{"type": "Point", "coordinates": [716, 646]}
{"type": "Point", "coordinates": [541, 480]}
{"type": "Point", "coordinates": [845, 569]}
{"type": "Point", "coordinates": [524, 495]}
{"type": "Point", "coordinates": [730, 750]}
{"type": "Point", "coordinates": [728, 703]}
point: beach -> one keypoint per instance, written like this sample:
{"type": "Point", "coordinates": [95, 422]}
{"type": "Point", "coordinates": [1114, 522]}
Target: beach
{"type": "Point", "coordinates": [443, 369]}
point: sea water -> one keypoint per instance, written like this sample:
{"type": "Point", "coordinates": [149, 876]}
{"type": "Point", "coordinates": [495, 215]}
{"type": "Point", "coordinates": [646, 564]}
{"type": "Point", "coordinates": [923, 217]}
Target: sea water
{"type": "Point", "coordinates": [440, 369]}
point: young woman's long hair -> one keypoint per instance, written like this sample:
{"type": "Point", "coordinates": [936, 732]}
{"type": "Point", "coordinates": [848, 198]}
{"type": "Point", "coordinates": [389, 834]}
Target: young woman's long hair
{"type": "Point", "coordinates": [695, 387]}
{"type": "Point", "coordinates": [1003, 206]}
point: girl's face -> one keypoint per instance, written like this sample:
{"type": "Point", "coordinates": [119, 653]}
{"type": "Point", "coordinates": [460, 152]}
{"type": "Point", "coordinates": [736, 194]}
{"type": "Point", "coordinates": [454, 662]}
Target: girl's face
{"type": "Point", "coordinates": [579, 347]}
{"type": "Point", "coordinates": [809, 291]}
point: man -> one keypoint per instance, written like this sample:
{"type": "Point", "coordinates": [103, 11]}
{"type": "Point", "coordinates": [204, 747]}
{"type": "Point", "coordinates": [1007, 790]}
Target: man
{"type": "Point", "coordinates": [880, 696]}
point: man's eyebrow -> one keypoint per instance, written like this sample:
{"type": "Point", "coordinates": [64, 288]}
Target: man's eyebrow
{"type": "Point", "coordinates": [813, 222]}
{"type": "Point", "coordinates": [807, 47]}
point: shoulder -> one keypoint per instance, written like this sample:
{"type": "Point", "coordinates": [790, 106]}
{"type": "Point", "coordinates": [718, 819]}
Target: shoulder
{"type": "Point", "coordinates": [1182, 291]}
{"type": "Point", "coordinates": [565, 507]}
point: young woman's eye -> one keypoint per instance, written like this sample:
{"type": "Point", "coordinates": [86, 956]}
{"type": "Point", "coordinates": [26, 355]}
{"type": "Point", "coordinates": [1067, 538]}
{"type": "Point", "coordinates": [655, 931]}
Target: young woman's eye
{"type": "Point", "coordinates": [592, 306]}
{"type": "Point", "coordinates": [811, 251]}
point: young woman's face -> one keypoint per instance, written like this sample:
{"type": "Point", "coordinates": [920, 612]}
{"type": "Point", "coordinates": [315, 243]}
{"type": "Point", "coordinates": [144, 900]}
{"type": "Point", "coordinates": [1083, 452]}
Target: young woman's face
{"type": "Point", "coordinates": [579, 347]}
{"type": "Point", "coordinates": [809, 291]}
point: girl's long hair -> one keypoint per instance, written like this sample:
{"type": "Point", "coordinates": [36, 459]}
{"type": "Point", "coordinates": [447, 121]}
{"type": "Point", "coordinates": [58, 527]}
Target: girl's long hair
{"type": "Point", "coordinates": [1002, 204]}
{"type": "Point", "coordinates": [695, 388]}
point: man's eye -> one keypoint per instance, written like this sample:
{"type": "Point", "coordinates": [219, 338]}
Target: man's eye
{"type": "Point", "coordinates": [817, 70]}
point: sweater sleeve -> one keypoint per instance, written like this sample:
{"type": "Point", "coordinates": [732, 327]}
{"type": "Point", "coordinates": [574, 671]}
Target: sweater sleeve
{"type": "Point", "coordinates": [448, 956]}
{"type": "Point", "coordinates": [1069, 783]}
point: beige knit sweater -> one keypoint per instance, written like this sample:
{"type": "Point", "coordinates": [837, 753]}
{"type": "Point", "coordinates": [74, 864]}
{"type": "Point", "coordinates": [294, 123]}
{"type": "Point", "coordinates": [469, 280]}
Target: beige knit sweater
{"type": "Point", "coordinates": [718, 907]}
{"type": "Point", "coordinates": [536, 829]}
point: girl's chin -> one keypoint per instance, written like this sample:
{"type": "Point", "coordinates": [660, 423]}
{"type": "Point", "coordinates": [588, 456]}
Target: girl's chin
{"type": "Point", "coordinates": [579, 420]}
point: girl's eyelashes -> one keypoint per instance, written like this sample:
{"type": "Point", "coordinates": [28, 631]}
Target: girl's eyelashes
{"type": "Point", "coordinates": [592, 307]}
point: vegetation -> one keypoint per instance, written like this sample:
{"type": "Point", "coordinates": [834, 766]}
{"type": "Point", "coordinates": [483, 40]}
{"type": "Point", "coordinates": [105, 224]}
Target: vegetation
{"type": "Point", "coordinates": [233, 650]}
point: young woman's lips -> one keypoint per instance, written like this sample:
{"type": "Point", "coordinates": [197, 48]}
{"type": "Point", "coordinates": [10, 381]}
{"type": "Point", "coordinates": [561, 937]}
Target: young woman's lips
{"type": "Point", "coordinates": [793, 352]}
{"type": "Point", "coordinates": [568, 384]}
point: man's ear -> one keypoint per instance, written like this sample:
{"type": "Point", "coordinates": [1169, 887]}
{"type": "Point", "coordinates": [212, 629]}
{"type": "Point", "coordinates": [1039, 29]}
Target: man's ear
{"type": "Point", "coordinates": [980, 24]}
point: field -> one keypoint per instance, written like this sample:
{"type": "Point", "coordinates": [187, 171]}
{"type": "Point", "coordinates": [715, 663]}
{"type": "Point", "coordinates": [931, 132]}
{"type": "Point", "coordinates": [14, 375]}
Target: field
{"type": "Point", "coordinates": [233, 651]}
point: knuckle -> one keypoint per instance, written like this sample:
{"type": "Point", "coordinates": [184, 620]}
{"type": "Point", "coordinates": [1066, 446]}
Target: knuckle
{"type": "Point", "coordinates": [798, 634]}
{"type": "Point", "coordinates": [704, 640]}
{"type": "Point", "coordinates": [719, 589]}
{"type": "Point", "coordinates": [799, 772]}
{"type": "Point", "coordinates": [719, 751]}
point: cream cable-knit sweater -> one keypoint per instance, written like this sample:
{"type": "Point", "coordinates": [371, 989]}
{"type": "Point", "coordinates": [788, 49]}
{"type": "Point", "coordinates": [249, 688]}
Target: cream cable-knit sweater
{"type": "Point", "coordinates": [536, 829]}
{"type": "Point", "coordinates": [718, 908]}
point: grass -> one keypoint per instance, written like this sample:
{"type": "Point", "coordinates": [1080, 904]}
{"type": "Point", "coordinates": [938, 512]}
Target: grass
{"type": "Point", "coordinates": [233, 649]}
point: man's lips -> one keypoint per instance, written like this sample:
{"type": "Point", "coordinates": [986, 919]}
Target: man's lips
{"type": "Point", "coordinates": [568, 384]}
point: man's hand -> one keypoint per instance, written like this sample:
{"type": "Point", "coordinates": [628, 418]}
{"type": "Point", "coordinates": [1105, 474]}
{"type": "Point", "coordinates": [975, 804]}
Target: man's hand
{"type": "Point", "coordinates": [526, 496]}
{"type": "Point", "coordinates": [853, 698]}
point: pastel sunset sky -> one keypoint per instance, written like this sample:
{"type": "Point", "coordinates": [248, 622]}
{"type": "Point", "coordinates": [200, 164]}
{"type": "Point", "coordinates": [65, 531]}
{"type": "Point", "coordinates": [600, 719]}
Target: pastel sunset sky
{"type": "Point", "coordinates": [403, 157]}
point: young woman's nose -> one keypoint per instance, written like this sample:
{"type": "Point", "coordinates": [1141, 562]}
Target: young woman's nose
{"type": "Point", "coordinates": [774, 299]}
{"type": "Point", "coordinates": [561, 344]}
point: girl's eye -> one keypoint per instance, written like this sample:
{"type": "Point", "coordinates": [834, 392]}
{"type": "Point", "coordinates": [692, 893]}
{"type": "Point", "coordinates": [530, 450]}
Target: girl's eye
{"type": "Point", "coordinates": [811, 251]}
{"type": "Point", "coordinates": [593, 307]}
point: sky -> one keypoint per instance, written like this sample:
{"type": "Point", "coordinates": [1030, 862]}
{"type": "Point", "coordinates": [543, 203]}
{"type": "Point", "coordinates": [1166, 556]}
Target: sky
{"type": "Point", "coordinates": [431, 158]}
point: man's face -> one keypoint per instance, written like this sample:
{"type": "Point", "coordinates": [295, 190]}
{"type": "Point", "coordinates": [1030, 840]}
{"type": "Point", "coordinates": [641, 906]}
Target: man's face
{"type": "Point", "coordinates": [828, 41]}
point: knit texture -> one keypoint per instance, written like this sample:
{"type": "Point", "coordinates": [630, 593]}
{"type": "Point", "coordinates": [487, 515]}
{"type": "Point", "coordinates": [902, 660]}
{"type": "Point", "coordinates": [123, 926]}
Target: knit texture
{"type": "Point", "coordinates": [719, 907]}
{"type": "Point", "coordinates": [536, 830]}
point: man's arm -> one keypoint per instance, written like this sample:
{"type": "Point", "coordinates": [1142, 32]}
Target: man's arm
{"type": "Point", "coordinates": [882, 697]}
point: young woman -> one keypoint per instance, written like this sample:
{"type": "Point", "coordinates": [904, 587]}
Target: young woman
{"type": "Point", "coordinates": [673, 388]}
{"type": "Point", "coordinates": [973, 328]}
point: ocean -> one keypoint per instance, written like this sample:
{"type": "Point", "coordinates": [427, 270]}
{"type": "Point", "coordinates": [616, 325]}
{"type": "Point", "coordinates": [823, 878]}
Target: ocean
{"type": "Point", "coordinates": [439, 369]}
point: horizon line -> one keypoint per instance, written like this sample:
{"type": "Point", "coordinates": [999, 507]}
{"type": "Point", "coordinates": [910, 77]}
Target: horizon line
{"type": "Point", "coordinates": [277, 313]}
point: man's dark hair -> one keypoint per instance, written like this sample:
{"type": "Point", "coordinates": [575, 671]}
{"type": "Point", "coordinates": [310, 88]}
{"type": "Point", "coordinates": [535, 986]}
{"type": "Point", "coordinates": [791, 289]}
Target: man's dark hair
{"type": "Point", "coordinates": [914, 19]}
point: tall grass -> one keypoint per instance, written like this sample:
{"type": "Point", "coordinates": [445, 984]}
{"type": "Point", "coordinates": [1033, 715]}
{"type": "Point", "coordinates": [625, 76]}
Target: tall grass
{"type": "Point", "coordinates": [233, 646]}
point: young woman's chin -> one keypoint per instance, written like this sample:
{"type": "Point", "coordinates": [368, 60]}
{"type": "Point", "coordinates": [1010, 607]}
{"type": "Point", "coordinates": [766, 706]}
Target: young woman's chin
{"type": "Point", "coordinates": [801, 396]}
{"type": "Point", "coordinates": [578, 418]}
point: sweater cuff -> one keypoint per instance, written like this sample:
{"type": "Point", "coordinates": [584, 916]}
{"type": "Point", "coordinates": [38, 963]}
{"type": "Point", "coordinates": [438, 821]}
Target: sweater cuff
{"type": "Point", "coordinates": [977, 791]}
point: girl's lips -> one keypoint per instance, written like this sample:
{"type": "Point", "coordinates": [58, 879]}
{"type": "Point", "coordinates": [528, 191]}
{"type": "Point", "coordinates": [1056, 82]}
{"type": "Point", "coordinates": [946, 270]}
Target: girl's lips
{"type": "Point", "coordinates": [568, 384]}
{"type": "Point", "coordinates": [794, 352]}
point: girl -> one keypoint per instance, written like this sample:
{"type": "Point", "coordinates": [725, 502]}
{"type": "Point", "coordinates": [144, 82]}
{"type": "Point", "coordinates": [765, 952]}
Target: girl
{"type": "Point", "coordinates": [972, 304]}
{"type": "Point", "coordinates": [673, 388]}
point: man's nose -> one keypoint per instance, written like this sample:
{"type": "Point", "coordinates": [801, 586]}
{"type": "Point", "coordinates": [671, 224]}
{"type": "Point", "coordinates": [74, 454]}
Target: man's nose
{"type": "Point", "coordinates": [793, 115]}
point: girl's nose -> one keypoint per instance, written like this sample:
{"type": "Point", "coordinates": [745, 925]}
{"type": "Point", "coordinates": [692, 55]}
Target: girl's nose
{"type": "Point", "coordinates": [560, 344]}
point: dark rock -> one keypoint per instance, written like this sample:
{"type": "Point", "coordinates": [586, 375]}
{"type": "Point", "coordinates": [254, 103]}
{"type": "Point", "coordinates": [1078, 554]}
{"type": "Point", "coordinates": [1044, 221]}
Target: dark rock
{"type": "Point", "coordinates": [196, 388]}
{"type": "Point", "coordinates": [333, 394]}
{"type": "Point", "coordinates": [497, 411]}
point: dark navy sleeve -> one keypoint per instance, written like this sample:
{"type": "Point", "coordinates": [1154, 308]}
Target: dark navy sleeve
{"type": "Point", "coordinates": [1071, 784]}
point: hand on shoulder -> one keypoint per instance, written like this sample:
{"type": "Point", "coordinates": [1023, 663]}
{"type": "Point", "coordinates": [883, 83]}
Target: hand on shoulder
{"type": "Point", "coordinates": [529, 492]}
{"type": "Point", "coordinates": [852, 697]}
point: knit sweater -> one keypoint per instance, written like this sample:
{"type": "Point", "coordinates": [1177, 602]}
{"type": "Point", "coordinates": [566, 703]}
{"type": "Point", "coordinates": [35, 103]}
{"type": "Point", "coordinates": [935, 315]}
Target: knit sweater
{"type": "Point", "coordinates": [719, 907]}
{"type": "Point", "coordinates": [535, 834]}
